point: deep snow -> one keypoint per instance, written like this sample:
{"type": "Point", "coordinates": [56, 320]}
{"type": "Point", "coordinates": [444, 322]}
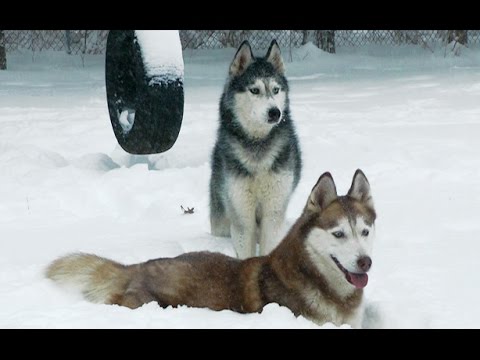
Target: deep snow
{"type": "Point", "coordinates": [410, 119]}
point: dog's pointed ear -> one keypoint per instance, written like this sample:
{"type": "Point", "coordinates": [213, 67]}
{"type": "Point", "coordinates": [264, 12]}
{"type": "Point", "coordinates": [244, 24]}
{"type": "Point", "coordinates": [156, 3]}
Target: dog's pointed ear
{"type": "Point", "coordinates": [243, 58]}
{"type": "Point", "coordinates": [274, 57]}
{"type": "Point", "coordinates": [323, 193]}
{"type": "Point", "coordinates": [360, 189]}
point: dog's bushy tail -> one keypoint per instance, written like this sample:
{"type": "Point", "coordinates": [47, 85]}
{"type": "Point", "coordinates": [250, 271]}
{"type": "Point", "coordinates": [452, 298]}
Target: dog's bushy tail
{"type": "Point", "coordinates": [100, 280]}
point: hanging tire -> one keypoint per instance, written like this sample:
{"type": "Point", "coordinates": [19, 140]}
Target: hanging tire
{"type": "Point", "coordinates": [145, 107]}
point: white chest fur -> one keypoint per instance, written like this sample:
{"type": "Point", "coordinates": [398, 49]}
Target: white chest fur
{"type": "Point", "coordinates": [325, 311]}
{"type": "Point", "coordinates": [260, 198]}
{"type": "Point", "coordinates": [258, 162]}
{"type": "Point", "coordinates": [264, 187]}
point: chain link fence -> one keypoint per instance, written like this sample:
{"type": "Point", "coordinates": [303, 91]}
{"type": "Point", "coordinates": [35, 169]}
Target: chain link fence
{"type": "Point", "coordinates": [70, 41]}
{"type": "Point", "coordinates": [94, 41]}
{"type": "Point", "coordinates": [214, 39]}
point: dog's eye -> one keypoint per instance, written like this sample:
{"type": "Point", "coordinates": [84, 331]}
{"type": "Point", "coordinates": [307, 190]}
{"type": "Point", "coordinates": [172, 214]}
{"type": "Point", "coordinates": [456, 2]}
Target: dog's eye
{"type": "Point", "coordinates": [338, 234]}
{"type": "Point", "coordinates": [276, 90]}
{"type": "Point", "coordinates": [255, 91]}
{"type": "Point", "coordinates": [365, 232]}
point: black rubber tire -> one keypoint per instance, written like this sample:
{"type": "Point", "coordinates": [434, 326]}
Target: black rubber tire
{"type": "Point", "coordinates": [158, 107]}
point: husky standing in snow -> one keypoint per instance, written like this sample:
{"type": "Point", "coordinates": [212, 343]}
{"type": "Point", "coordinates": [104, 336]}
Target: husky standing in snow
{"type": "Point", "coordinates": [319, 269]}
{"type": "Point", "coordinates": [256, 162]}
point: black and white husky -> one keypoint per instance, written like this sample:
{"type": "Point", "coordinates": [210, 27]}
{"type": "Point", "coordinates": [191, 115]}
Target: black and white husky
{"type": "Point", "coordinates": [256, 162]}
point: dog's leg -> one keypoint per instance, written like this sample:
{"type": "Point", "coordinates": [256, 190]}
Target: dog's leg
{"type": "Point", "coordinates": [220, 225]}
{"type": "Point", "coordinates": [275, 195]}
{"type": "Point", "coordinates": [243, 229]}
{"type": "Point", "coordinates": [219, 222]}
{"type": "Point", "coordinates": [243, 236]}
{"type": "Point", "coordinates": [241, 210]}
{"type": "Point", "coordinates": [271, 227]}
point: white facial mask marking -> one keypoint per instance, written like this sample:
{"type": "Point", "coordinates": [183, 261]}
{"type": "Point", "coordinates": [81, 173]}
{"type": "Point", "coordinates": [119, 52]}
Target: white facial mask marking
{"type": "Point", "coordinates": [347, 249]}
{"type": "Point", "coordinates": [252, 109]}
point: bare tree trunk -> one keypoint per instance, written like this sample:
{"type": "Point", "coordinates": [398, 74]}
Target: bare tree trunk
{"type": "Point", "coordinates": [227, 38]}
{"type": "Point", "coordinates": [3, 53]}
{"type": "Point", "coordinates": [326, 40]}
{"type": "Point", "coordinates": [68, 41]}
{"type": "Point", "coordinates": [460, 36]}
{"type": "Point", "coordinates": [309, 35]}
{"type": "Point", "coordinates": [84, 51]}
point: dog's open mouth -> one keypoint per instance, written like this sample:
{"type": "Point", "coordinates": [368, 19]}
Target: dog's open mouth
{"type": "Point", "coordinates": [356, 279]}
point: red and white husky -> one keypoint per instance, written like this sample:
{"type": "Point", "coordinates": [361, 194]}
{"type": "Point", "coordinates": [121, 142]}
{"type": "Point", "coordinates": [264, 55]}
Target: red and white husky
{"type": "Point", "coordinates": [319, 269]}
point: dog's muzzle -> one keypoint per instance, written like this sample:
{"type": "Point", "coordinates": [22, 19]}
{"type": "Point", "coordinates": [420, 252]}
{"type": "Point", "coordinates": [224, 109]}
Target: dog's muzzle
{"type": "Point", "coordinates": [274, 115]}
{"type": "Point", "coordinates": [359, 280]}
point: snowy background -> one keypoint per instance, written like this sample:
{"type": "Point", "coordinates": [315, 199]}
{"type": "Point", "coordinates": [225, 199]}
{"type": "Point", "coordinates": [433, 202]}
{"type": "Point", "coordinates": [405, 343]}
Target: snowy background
{"type": "Point", "coordinates": [409, 118]}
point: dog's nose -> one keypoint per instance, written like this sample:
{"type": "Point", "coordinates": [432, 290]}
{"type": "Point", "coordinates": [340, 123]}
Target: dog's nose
{"type": "Point", "coordinates": [364, 263]}
{"type": "Point", "coordinates": [273, 115]}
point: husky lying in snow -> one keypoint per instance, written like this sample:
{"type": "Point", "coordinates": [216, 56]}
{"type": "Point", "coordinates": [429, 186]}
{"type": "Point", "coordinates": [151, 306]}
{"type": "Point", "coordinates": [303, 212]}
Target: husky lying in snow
{"type": "Point", "coordinates": [319, 269]}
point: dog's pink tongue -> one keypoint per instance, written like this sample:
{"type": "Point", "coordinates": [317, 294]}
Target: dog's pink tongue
{"type": "Point", "coordinates": [359, 280]}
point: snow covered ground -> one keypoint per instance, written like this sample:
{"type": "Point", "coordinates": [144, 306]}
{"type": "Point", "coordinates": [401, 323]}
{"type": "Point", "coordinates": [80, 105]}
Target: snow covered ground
{"type": "Point", "coordinates": [409, 118]}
